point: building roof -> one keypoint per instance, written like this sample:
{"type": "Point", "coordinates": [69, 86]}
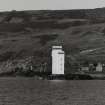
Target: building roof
{"type": "Point", "coordinates": [56, 47]}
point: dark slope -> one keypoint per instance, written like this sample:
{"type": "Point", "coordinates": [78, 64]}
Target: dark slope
{"type": "Point", "coordinates": [25, 34]}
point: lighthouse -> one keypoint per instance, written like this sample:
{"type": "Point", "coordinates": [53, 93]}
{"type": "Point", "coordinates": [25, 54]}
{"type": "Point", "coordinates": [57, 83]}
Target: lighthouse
{"type": "Point", "coordinates": [58, 60]}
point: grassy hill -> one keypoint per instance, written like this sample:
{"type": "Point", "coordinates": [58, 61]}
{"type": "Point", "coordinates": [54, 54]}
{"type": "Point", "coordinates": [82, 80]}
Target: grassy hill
{"type": "Point", "coordinates": [26, 34]}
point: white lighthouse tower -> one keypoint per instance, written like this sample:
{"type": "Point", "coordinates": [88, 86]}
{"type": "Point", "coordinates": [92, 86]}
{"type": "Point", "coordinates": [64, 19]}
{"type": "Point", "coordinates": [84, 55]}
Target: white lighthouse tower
{"type": "Point", "coordinates": [58, 60]}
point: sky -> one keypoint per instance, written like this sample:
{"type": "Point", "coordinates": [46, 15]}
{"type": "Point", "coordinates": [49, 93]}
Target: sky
{"type": "Point", "coordinates": [8, 5]}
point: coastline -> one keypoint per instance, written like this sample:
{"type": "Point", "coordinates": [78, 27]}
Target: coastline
{"type": "Point", "coordinates": [48, 76]}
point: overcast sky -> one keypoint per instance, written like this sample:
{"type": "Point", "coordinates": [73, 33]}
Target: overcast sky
{"type": "Point", "coordinates": [6, 5]}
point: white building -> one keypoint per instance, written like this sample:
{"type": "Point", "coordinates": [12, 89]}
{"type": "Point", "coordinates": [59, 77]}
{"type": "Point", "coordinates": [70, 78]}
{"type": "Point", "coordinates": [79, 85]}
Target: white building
{"type": "Point", "coordinates": [58, 60]}
{"type": "Point", "coordinates": [99, 67]}
{"type": "Point", "coordinates": [84, 68]}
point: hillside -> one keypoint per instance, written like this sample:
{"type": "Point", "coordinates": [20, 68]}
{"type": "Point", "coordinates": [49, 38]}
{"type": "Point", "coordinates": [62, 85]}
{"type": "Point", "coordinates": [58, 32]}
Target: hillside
{"type": "Point", "coordinates": [26, 34]}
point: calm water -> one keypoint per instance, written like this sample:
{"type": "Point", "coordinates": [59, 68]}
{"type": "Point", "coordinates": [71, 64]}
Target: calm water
{"type": "Point", "coordinates": [22, 91]}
